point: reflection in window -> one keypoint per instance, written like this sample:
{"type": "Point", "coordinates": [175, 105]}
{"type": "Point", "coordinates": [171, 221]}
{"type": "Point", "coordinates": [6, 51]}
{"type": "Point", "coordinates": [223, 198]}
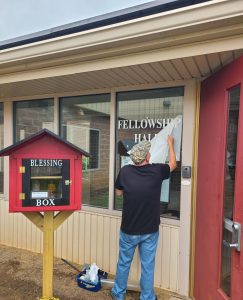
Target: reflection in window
{"type": "Point", "coordinates": [229, 184]}
{"type": "Point", "coordinates": [142, 115]}
{"type": "Point", "coordinates": [46, 182]}
{"type": "Point", "coordinates": [1, 147]}
{"type": "Point", "coordinates": [85, 122]}
{"type": "Point", "coordinates": [32, 116]}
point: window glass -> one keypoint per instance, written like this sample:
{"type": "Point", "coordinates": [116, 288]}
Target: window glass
{"type": "Point", "coordinates": [85, 122]}
{"type": "Point", "coordinates": [32, 116]}
{"type": "Point", "coordinates": [143, 115]}
{"type": "Point", "coordinates": [229, 185]}
{"type": "Point", "coordinates": [1, 147]}
{"type": "Point", "coordinates": [46, 181]}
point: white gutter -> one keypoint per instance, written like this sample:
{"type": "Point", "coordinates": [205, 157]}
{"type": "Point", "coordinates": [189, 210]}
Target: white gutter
{"type": "Point", "coordinates": [138, 29]}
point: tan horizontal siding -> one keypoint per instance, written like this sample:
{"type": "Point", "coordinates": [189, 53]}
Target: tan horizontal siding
{"type": "Point", "coordinates": [90, 237]}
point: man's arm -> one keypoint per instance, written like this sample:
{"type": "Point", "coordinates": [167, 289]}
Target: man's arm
{"type": "Point", "coordinates": [172, 161]}
{"type": "Point", "coordinates": [119, 192]}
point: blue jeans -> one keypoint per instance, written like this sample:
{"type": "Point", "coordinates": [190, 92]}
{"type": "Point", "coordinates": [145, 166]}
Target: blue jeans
{"type": "Point", "coordinates": [147, 244]}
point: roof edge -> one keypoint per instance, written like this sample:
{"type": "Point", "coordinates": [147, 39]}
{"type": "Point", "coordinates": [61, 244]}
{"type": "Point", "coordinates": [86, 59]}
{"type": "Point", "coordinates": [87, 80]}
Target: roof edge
{"type": "Point", "coordinates": [8, 150]}
{"type": "Point", "coordinates": [119, 16]}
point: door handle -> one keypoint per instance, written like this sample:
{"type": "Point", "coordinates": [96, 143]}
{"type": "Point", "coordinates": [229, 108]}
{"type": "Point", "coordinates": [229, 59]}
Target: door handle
{"type": "Point", "coordinates": [227, 244]}
{"type": "Point", "coordinates": [235, 228]}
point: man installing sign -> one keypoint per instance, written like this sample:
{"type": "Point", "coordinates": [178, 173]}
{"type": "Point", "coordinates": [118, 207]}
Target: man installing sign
{"type": "Point", "coordinates": [140, 185]}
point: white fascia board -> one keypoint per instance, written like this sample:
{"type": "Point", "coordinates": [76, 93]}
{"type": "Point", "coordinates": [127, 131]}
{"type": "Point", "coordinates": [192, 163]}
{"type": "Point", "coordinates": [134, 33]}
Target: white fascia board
{"type": "Point", "coordinates": [126, 60]}
{"type": "Point", "coordinates": [137, 29]}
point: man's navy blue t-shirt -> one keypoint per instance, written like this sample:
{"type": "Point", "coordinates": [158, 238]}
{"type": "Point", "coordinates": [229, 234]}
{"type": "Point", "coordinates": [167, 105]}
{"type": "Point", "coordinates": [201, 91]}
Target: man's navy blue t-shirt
{"type": "Point", "coordinates": [141, 187]}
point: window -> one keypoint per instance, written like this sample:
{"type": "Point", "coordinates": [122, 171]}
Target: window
{"type": "Point", "coordinates": [1, 147]}
{"type": "Point", "coordinates": [85, 122]}
{"type": "Point", "coordinates": [142, 115]}
{"type": "Point", "coordinates": [45, 180]}
{"type": "Point", "coordinates": [32, 116]}
{"type": "Point", "coordinates": [230, 185]}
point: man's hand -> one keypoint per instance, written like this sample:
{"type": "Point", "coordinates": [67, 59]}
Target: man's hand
{"type": "Point", "coordinates": [170, 140]}
{"type": "Point", "coordinates": [119, 192]}
{"type": "Point", "coordinates": [172, 161]}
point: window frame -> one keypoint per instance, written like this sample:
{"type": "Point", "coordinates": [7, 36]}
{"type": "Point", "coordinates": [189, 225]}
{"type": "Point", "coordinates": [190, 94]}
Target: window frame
{"type": "Point", "coordinates": [190, 127]}
{"type": "Point", "coordinates": [91, 95]}
{"type": "Point", "coordinates": [2, 107]}
{"type": "Point", "coordinates": [146, 94]}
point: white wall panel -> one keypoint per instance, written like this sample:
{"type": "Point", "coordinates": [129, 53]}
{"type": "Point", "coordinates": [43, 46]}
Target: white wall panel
{"type": "Point", "coordinates": [75, 237]}
{"type": "Point", "coordinates": [166, 258]}
{"type": "Point", "coordinates": [100, 240]}
{"type": "Point", "coordinates": [89, 237]}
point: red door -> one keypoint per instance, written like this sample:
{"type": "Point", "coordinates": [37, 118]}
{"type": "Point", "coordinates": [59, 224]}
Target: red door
{"type": "Point", "coordinates": [219, 212]}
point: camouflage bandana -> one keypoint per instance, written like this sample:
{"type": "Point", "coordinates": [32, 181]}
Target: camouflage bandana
{"type": "Point", "coordinates": [139, 152]}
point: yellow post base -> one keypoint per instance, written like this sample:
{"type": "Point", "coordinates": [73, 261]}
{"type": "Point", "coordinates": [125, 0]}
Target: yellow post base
{"type": "Point", "coordinates": [46, 298]}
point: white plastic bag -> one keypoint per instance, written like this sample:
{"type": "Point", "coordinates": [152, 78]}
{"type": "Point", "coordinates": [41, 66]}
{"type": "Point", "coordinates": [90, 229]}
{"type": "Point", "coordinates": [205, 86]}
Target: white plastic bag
{"type": "Point", "coordinates": [91, 274]}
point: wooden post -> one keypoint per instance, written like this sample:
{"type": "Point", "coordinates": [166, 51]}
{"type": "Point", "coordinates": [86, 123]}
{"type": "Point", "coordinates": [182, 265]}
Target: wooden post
{"type": "Point", "coordinates": [48, 254]}
{"type": "Point", "coordinates": [48, 223]}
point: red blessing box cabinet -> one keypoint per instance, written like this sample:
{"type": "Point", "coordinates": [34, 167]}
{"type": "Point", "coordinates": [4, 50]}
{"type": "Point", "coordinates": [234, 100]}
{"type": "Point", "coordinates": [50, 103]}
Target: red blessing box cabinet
{"type": "Point", "coordinates": [45, 174]}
